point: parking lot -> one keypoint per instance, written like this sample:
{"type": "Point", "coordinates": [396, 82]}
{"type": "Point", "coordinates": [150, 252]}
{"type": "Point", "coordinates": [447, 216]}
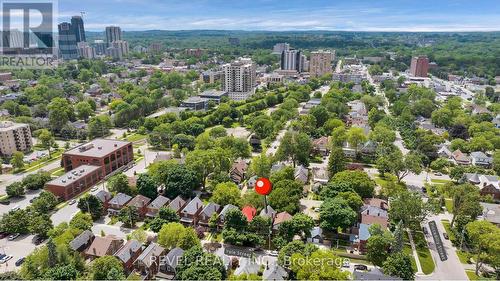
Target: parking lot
{"type": "Point", "coordinates": [18, 248]}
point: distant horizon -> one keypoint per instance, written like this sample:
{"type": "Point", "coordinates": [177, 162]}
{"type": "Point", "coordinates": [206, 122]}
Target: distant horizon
{"type": "Point", "coordinates": [298, 31]}
{"type": "Point", "coordinates": [294, 15]}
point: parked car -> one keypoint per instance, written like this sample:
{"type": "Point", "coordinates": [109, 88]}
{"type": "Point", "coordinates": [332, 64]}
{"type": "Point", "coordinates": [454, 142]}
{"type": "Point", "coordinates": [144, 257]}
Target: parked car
{"type": "Point", "coordinates": [37, 240]}
{"type": "Point", "coordinates": [93, 188]}
{"type": "Point", "coordinates": [438, 174]}
{"type": "Point", "coordinates": [346, 263]}
{"type": "Point", "coordinates": [5, 202]}
{"type": "Point", "coordinates": [15, 208]}
{"type": "Point", "coordinates": [72, 201]}
{"type": "Point", "coordinates": [3, 235]}
{"type": "Point", "coordinates": [445, 235]}
{"type": "Point", "coordinates": [5, 259]}
{"type": "Point", "coordinates": [360, 267]}
{"type": "Point", "coordinates": [273, 253]}
{"type": "Point", "coordinates": [20, 261]}
{"type": "Point", "coordinates": [14, 236]}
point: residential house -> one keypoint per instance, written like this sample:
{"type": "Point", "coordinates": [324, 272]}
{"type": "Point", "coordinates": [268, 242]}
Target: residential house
{"type": "Point", "coordinates": [480, 159]}
{"type": "Point", "coordinates": [488, 185]}
{"type": "Point", "coordinates": [301, 174]}
{"type": "Point", "coordinates": [491, 213]}
{"type": "Point", "coordinates": [274, 272]}
{"type": "Point", "coordinates": [280, 218]}
{"type": "Point", "coordinates": [189, 215]}
{"type": "Point", "coordinates": [374, 215]}
{"type": "Point", "coordinates": [268, 212]}
{"type": "Point", "coordinates": [316, 235]}
{"type": "Point", "coordinates": [177, 204]}
{"type": "Point", "coordinates": [496, 121]}
{"type": "Point", "coordinates": [207, 212]}
{"type": "Point", "coordinates": [147, 264]}
{"type": "Point", "coordinates": [373, 275]}
{"type": "Point", "coordinates": [249, 212]}
{"type": "Point", "coordinates": [238, 171]}
{"type": "Point", "coordinates": [368, 148]}
{"type": "Point", "coordinates": [104, 246]}
{"type": "Point", "coordinates": [170, 262]}
{"type": "Point", "coordinates": [155, 206]}
{"type": "Point", "coordinates": [376, 202]}
{"type": "Point", "coordinates": [128, 253]}
{"type": "Point", "coordinates": [460, 158]}
{"type": "Point", "coordinates": [321, 146]}
{"type": "Point", "coordinates": [140, 203]}
{"type": "Point", "coordinates": [445, 152]}
{"type": "Point", "coordinates": [117, 203]}
{"type": "Point", "coordinates": [477, 109]}
{"type": "Point", "coordinates": [277, 167]}
{"type": "Point", "coordinates": [247, 266]}
{"type": "Point", "coordinates": [252, 181]}
{"type": "Point", "coordinates": [320, 175]}
{"type": "Point", "coordinates": [223, 213]}
{"type": "Point", "coordinates": [82, 241]}
{"type": "Point", "coordinates": [104, 196]}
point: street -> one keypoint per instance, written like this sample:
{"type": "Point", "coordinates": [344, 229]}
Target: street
{"type": "Point", "coordinates": [450, 269]}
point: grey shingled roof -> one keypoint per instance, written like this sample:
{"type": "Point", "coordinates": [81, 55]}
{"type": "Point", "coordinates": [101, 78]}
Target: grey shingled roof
{"type": "Point", "coordinates": [126, 251]}
{"type": "Point", "coordinates": [193, 206]}
{"type": "Point", "coordinates": [103, 195]}
{"type": "Point", "coordinates": [153, 250]}
{"type": "Point", "coordinates": [81, 240]}
{"type": "Point", "coordinates": [210, 209]}
{"type": "Point", "coordinates": [173, 257]}
{"type": "Point", "coordinates": [159, 202]}
{"type": "Point", "coordinates": [226, 209]}
{"type": "Point", "coordinates": [177, 203]}
{"type": "Point", "coordinates": [120, 199]}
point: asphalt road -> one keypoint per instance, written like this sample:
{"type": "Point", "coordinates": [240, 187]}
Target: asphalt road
{"type": "Point", "coordinates": [450, 269]}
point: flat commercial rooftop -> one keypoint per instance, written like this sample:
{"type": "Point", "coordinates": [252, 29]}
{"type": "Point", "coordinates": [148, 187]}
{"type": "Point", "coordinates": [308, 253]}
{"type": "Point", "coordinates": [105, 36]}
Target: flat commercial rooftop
{"type": "Point", "coordinates": [97, 148]}
{"type": "Point", "coordinates": [74, 175]}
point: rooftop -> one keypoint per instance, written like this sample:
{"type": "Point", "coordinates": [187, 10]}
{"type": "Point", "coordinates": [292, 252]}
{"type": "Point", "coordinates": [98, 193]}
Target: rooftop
{"type": "Point", "coordinates": [97, 148]}
{"type": "Point", "coordinates": [9, 125]}
{"type": "Point", "coordinates": [74, 175]}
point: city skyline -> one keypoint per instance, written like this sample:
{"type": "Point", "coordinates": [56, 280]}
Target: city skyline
{"type": "Point", "coordinates": [266, 15]}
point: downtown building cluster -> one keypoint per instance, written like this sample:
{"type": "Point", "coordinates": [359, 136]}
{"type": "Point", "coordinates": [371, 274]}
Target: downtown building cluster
{"type": "Point", "coordinates": [73, 44]}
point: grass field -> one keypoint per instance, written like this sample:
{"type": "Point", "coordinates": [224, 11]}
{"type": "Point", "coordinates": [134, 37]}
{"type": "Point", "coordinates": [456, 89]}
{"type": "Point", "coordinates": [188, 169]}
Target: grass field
{"type": "Point", "coordinates": [447, 227]}
{"type": "Point", "coordinates": [463, 257]}
{"type": "Point", "coordinates": [135, 137]}
{"type": "Point", "coordinates": [407, 250]}
{"type": "Point", "coordinates": [448, 203]}
{"type": "Point", "coordinates": [439, 181]}
{"type": "Point", "coordinates": [424, 254]}
{"type": "Point", "coordinates": [472, 276]}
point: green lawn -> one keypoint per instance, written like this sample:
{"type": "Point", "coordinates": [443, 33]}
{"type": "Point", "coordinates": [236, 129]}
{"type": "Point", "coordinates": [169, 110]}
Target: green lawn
{"type": "Point", "coordinates": [135, 137]}
{"type": "Point", "coordinates": [407, 250]}
{"type": "Point", "coordinates": [447, 227]}
{"type": "Point", "coordinates": [439, 181]}
{"type": "Point", "coordinates": [424, 254]}
{"type": "Point", "coordinates": [472, 276]}
{"type": "Point", "coordinates": [448, 202]}
{"type": "Point", "coordinates": [463, 257]}
{"type": "Point", "coordinates": [42, 162]}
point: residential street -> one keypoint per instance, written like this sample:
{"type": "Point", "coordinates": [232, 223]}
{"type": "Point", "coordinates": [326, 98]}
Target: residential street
{"type": "Point", "coordinates": [452, 268]}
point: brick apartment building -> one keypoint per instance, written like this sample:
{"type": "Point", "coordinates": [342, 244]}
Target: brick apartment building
{"type": "Point", "coordinates": [75, 182]}
{"type": "Point", "coordinates": [109, 155]}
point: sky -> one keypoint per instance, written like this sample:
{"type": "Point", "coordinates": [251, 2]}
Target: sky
{"type": "Point", "coordinates": [349, 15]}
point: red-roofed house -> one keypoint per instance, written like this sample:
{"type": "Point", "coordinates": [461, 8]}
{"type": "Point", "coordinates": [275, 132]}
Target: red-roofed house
{"type": "Point", "coordinates": [281, 217]}
{"type": "Point", "coordinates": [249, 212]}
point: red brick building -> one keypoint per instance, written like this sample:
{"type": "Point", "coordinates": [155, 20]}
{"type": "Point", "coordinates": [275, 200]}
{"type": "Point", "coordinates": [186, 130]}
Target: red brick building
{"type": "Point", "coordinates": [75, 182]}
{"type": "Point", "coordinates": [109, 155]}
{"type": "Point", "coordinates": [419, 66]}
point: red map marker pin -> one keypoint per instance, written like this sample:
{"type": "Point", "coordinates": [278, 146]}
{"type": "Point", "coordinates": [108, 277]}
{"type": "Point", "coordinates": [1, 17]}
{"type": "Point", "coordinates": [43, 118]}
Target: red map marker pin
{"type": "Point", "coordinates": [263, 186]}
